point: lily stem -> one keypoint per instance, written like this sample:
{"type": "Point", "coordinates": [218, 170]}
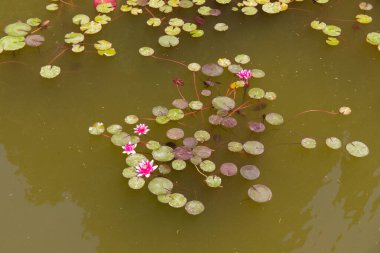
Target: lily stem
{"type": "Point", "coordinates": [316, 110]}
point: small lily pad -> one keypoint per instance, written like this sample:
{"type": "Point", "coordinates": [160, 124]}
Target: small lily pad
{"type": "Point", "coordinates": [10, 43]}
{"type": "Point", "coordinates": [97, 128]}
{"type": "Point", "coordinates": [333, 143]}
{"type": "Point", "coordinates": [183, 153]}
{"type": "Point", "coordinates": [154, 22]}
{"type": "Point", "coordinates": [164, 198]}
{"type": "Point", "coordinates": [159, 111]}
{"type": "Point", "coordinates": [207, 166]}
{"type": "Point", "coordinates": [202, 152]}
{"type": "Point", "coordinates": [213, 181]}
{"type": "Point", "coordinates": [178, 164]}
{"type": "Point", "coordinates": [309, 143]}
{"type": "Point", "coordinates": [256, 127]}
{"type": "Point", "coordinates": [229, 122]}
{"type": "Point", "coordinates": [196, 105]}
{"type": "Point", "coordinates": [274, 119]}
{"type": "Point", "coordinates": [33, 21]}
{"type": "Point", "coordinates": [206, 93]}
{"type": "Point", "coordinates": [224, 62]}
{"type": "Point", "coordinates": [129, 172]}
{"type": "Point", "coordinates": [249, 10]}
{"type": "Point", "coordinates": [257, 73]}
{"type": "Point", "coordinates": [194, 67]}
{"type": "Point", "coordinates": [50, 71]}
{"type": "Point", "coordinates": [332, 41]}
{"type": "Point", "coordinates": [253, 147]}
{"type": "Point", "coordinates": [272, 8]}
{"type": "Point", "coordinates": [135, 159]}
{"type": "Point", "coordinates": [168, 41]}
{"type": "Point", "coordinates": [317, 25]}
{"type": "Point", "coordinates": [215, 119]}
{"type": "Point", "coordinates": [212, 69]}
{"type": "Point", "coordinates": [357, 149]}
{"type": "Point", "coordinates": [102, 45]}
{"type": "Point", "coordinates": [160, 186]}
{"type": "Point", "coordinates": [242, 58]}
{"type": "Point", "coordinates": [177, 200]}
{"type": "Point", "coordinates": [114, 129]}
{"type": "Point", "coordinates": [152, 145]}
{"type": "Point", "coordinates": [221, 27]}
{"type": "Point", "coordinates": [250, 172]}
{"type": "Point", "coordinates": [223, 103]}
{"type": "Point", "coordinates": [136, 182]}
{"type": "Point", "coordinates": [363, 19]}
{"type": "Point", "coordinates": [189, 27]}
{"type": "Point", "coordinates": [102, 19]}
{"type": "Point", "coordinates": [180, 103]}
{"type": "Point", "coordinates": [105, 8]}
{"type": "Point", "coordinates": [228, 169]}
{"type": "Point", "coordinates": [332, 30]}
{"type": "Point", "coordinates": [190, 142]}
{"type": "Point", "coordinates": [202, 136]}
{"type": "Point", "coordinates": [163, 154]}
{"type": "Point", "coordinates": [233, 68]}
{"type": "Point", "coordinates": [131, 119]}
{"type": "Point", "coordinates": [260, 193]}
{"type": "Point", "coordinates": [175, 133]}
{"type": "Point", "coordinates": [175, 114]}
{"type": "Point", "coordinates": [74, 38]}
{"type": "Point", "coordinates": [34, 40]}
{"type": "Point", "coordinates": [162, 120]}
{"type": "Point", "coordinates": [373, 38]}
{"type": "Point", "coordinates": [270, 95]}
{"type": "Point", "coordinates": [52, 7]}
{"type": "Point", "coordinates": [120, 139]}
{"type": "Point", "coordinates": [235, 146]}
{"type": "Point", "coordinates": [91, 27]}
{"type": "Point", "coordinates": [194, 207]}
{"type": "Point", "coordinates": [81, 19]}
{"type": "Point", "coordinates": [256, 93]}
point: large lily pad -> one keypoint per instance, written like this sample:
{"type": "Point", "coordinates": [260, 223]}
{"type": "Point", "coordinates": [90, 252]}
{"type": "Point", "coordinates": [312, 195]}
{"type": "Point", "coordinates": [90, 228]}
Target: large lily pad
{"type": "Point", "coordinates": [34, 40]}
{"type": "Point", "coordinates": [81, 19]}
{"type": "Point", "coordinates": [202, 151]}
{"type": "Point", "coordinates": [175, 133]}
{"type": "Point", "coordinates": [177, 200]}
{"type": "Point", "coordinates": [163, 154]}
{"type": "Point", "coordinates": [50, 71]}
{"type": "Point", "coordinates": [135, 159]}
{"type": "Point", "coordinates": [274, 119]}
{"type": "Point", "coordinates": [97, 128]}
{"type": "Point", "coordinates": [357, 149]}
{"type": "Point", "coordinates": [178, 164]}
{"type": "Point", "coordinates": [228, 169]}
{"type": "Point", "coordinates": [260, 193]}
{"type": "Point", "coordinates": [223, 103]}
{"type": "Point", "coordinates": [10, 43]}
{"type": "Point", "coordinates": [250, 172]}
{"type": "Point", "coordinates": [207, 166]}
{"type": "Point", "coordinates": [373, 38]}
{"type": "Point", "coordinates": [213, 181]}
{"type": "Point", "coordinates": [136, 183]}
{"type": "Point", "coordinates": [120, 139]}
{"type": "Point", "coordinates": [194, 207]}
{"type": "Point", "coordinates": [168, 41]}
{"type": "Point", "coordinates": [202, 136]}
{"type": "Point", "coordinates": [129, 172]}
{"type": "Point", "coordinates": [91, 27]}
{"type": "Point", "coordinates": [212, 69]}
{"type": "Point", "coordinates": [332, 30]}
{"type": "Point", "coordinates": [253, 147]}
{"type": "Point", "coordinates": [160, 186]}
{"type": "Point", "coordinates": [17, 29]}
{"type": "Point", "coordinates": [74, 38]}
{"type": "Point", "coordinates": [175, 114]}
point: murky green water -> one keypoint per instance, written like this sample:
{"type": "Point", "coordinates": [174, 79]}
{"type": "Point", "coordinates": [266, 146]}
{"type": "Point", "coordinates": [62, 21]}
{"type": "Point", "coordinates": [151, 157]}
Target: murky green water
{"type": "Point", "coordinates": [61, 189]}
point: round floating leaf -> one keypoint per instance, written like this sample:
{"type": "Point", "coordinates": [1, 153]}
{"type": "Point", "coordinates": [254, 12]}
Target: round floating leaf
{"type": "Point", "coordinates": [74, 38]}
{"type": "Point", "coordinates": [253, 147]}
{"type": "Point", "coordinates": [165, 198]}
{"type": "Point", "coordinates": [234, 68]}
{"type": "Point", "coordinates": [256, 93]}
{"type": "Point", "coordinates": [91, 27]}
{"type": "Point", "coordinates": [257, 73]}
{"type": "Point", "coordinates": [146, 51]}
{"type": "Point", "coordinates": [249, 10]}
{"type": "Point", "coordinates": [197, 33]}
{"type": "Point", "coordinates": [204, 10]}
{"type": "Point", "coordinates": [317, 25]}
{"type": "Point", "coordinates": [332, 30]}
{"type": "Point", "coordinates": [33, 21]}
{"type": "Point", "coordinates": [207, 166]}
{"type": "Point", "coordinates": [152, 145]}
{"type": "Point", "coordinates": [162, 120]}
{"type": "Point", "coordinates": [202, 152]}
{"type": "Point", "coordinates": [175, 114]}
{"type": "Point", "coordinates": [332, 41]}
{"type": "Point", "coordinates": [131, 119]}
{"type": "Point", "coordinates": [272, 8]}
{"type": "Point", "coordinates": [135, 159]}
{"type": "Point", "coordinates": [213, 181]}
{"type": "Point", "coordinates": [175, 133]}
{"type": "Point", "coordinates": [229, 122]}
{"type": "Point", "coordinates": [102, 19]}
{"type": "Point", "coordinates": [215, 119]}
{"type": "Point", "coordinates": [190, 142]}
{"type": "Point", "coordinates": [189, 27]}
{"type": "Point", "coordinates": [363, 19]}
{"type": "Point", "coordinates": [212, 69]}
{"type": "Point", "coordinates": [202, 136]}
{"type": "Point", "coordinates": [176, 22]}
{"type": "Point", "coordinates": [105, 8]}
{"type": "Point", "coordinates": [223, 1]}
{"type": "Point", "coordinates": [160, 186]}
{"type": "Point", "coordinates": [196, 105]}
{"type": "Point", "coordinates": [373, 38]}
{"type": "Point", "coordinates": [224, 62]}
{"type": "Point", "coordinates": [221, 27]}
{"type": "Point", "coordinates": [183, 153]}
{"type": "Point", "coordinates": [136, 183]}
{"type": "Point", "coordinates": [163, 154]}
{"type": "Point", "coordinates": [270, 95]}
{"type": "Point", "coordinates": [185, 4]}
{"type": "Point", "coordinates": [120, 139]}
{"type": "Point", "coordinates": [242, 58]}
{"type": "Point", "coordinates": [274, 119]}
{"type": "Point", "coordinates": [177, 200]}
{"type": "Point", "coordinates": [81, 19]}
{"type": "Point", "coordinates": [160, 111]}
{"type": "Point", "coordinates": [156, 3]}
{"type": "Point", "coordinates": [172, 30]}
{"type": "Point", "coordinates": [129, 172]}
{"type": "Point", "coordinates": [365, 6]}
{"type": "Point", "coordinates": [114, 129]}
{"type": "Point", "coordinates": [194, 207]}
{"type": "Point", "coordinates": [178, 164]}
{"type": "Point", "coordinates": [196, 160]}
{"type": "Point", "coordinates": [154, 22]}
{"type": "Point", "coordinates": [206, 93]}
{"type": "Point", "coordinates": [103, 45]}
{"type": "Point", "coordinates": [180, 103]}
{"type": "Point", "coordinates": [97, 128]}
{"type": "Point", "coordinates": [333, 143]}
{"type": "Point", "coordinates": [50, 71]}
{"type": "Point", "coordinates": [34, 40]}
{"type": "Point", "coordinates": [345, 110]}
{"type": "Point", "coordinates": [10, 43]}
{"type": "Point", "coordinates": [357, 149]}
{"type": "Point", "coordinates": [223, 103]}
{"type": "Point", "coordinates": [109, 52]}
{"type": "Point", "coordinates": [52, 7]}
{"type": "Point", "coordinates": [256, 127]}
{"type": "Point", "coordinates": [194, 67]}
{"type": "Point", "coordinates": [260, 193]}
{"type": "Point", "coordinates": [228, 169]}
{"type": "Point", "coordinates": [235, 146]}
{"type": "Point", "coordinates": [17, 29]}
{"type": "Point", "coordinates": [309, 143]}
{"type": "Point", "coordinates": [164, 169]}
{"type": "Point", "coordinates": [168, 41]}
{"type": "Point", "coordinates": [250, 172]}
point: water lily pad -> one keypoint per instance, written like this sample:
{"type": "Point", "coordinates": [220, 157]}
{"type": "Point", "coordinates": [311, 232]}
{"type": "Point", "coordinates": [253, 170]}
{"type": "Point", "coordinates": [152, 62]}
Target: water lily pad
{"type": "Point", "coordinates": [213, 181]}
{"type": "Point", "coordinates": [162, 120]}
{"type": "Point", "coordinates": [274, 119]}
{"type": "Point", "coordinates": [253, 147]}
{"type": "Point", "coordinates": [215, 119]}
{"type": "Point", "coordinates": [103, 45]}
{"type": "Point", "coordinates": [190, 142]}
{"type": "Point", "coordinates": [180, 103]}
{"type": "Point", "coordinates": [50, 71]}
{"type": "Point", "coordinates": [146, 51]}
{"type": "Point", "coordinates": [105, 8]}
{"type": "Point", "coordinates": [172, 30]}
{"type": "Point", "coordinates": [365, 6]}
{"type": "Point", "coordinates": [257, 73]}
{"type": "Point", "coordinates": [256, 93]}
{"type": "Point", "coordinates": [156, 3]}
{"type": "Point", "coordinates": [223, 103]}
{"type": "Point", "coordinates": [317, 25]}
{"type": "Point", "coordinates": [74, 38]}
{"type": "Point", "coordinates": [160, 111]}
{"type": "Point", "coordinates": [160, 186]}
{"type": "Point", "coordinates": [270, 95]}
{"type": "Point", "coordinates": [229, 122]}
{"type": "Point", "coordinates": [332, 41]}
{"type": "Point", "coordinates": [97, 128]}
{"type": "Point", "coordinates": [175, 114]}
{"type": "Point", "coordinates": [228, 169]}
{"type": "Point", "coordinates": [177, 200]}
{"type": "Point", "coordinates": [233, 68]}
{"type": "Point", "coordinates": [206, 93]}
{"type": "Point", "coordinates": [102, 19]}
{"type": "Point", "coordinates": [256, 127]}
{"type": "Point", "coordinates": [175, 133]}
{"type": "Point", "coordinates": [357, 149]}
{"type": "Point", "coordinates": [224, 62]}
{"type": "Point", "coordinates": [10, 43]}
{"type": "Point", "coordinates": [196, 105]}
{"type": "Point", "coordinates": [135, 159]}
{"type": "Point", "coordinates": [194, 207]}
{"type": "Point", "coordinates": [178, 164]}
{"type": "Point", "coordinates": [176, 22]}
{"type": "Point", "coordinates": [202, 136]}
{"type": "Point", "coordinates": [373, 38]}
{"type": "Point", "coordinates": [34, 40]}
{"type": "Point", "coordinates": [81, 19]}
{"type": "Point", "coordinates": [363, 19]}
{"type": "Point", "coordinates": [221, 27]}
{"type": "Point", "coordinates": [163, 154]}
{"type": "Point", "coordinates": [204, 10]}
{"type": "Point", "coordinates": [260, 193]}
{"type": "Point", "coordinates": [250, 172]}
{"type": "Point", "coordinates": [235, 146]}
{"type": "Point", "coordinates": [152, 145]}
{"type": "Point", "coordinates": [272, 8]}
{"type": "Point", "coordinates": [202, 152]}
{"type": "Point", "coordinates": [136, 182]}
{"type": "Point", "coordinates": [109, 52]}
{"type": "Point", "coordinates": [131, 119]}
{"type": "Point", "coordinates": [332, 30]}
{"type": "Point", "coordinates": [207, 166]}
{"type": "Point", "coordinates": [33, 21]}
{"type": "Point", "coordinates": [129, 172]}
{"type": "Point", "coordinates": [183, 153]}
{"type": "Point", "coordinates": [91, 27]}
{"type": "Point", "coordinates": [52, 7]}
{"type": "Point", "coordinates": [333, 143]}
{"type": "Point", "coordinates": [165, 198]}
{"type": "Point", "coordinates": [120, 139]}
{"type": "Point", "coordinates": [345, 110]}
{"type": "Point", "coordinates": [309, 143]}
{"type": "Point", "coordinates": [185, 4]}
{"type": "Point", "coordinates": [242, 58]}
{"type": "Point", "coordinates": [194, 67]}
{"type": "Point", "coordinates": [114, 129]}
{"type": "Point", "coordinates": [212, 69]}
{"type": "Point", "coordinates": [164, 169]}
{"type": "Point", "coordinates": [249, 10]}
{"type": "Point", "coordinates": [168, 41]}
{"type": "Point", "coordinates": [189, 27]}
{"type": "Point", "coordinates": [196, 160]}
{"type": "Point", "coordinates": [154, 22]}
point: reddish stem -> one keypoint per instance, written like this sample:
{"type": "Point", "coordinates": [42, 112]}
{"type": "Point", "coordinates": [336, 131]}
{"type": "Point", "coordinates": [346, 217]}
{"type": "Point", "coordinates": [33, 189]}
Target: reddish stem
{"type": "Point", "coordinates": [316, 110]}
{"type": "Point", "coordinates": [165, 59]}
{"type": "Point", "coordinates": [57, 56]}
{"type": "Point", "coordinates": [180, 93]}
{"type": "Point", "coordinates": [149, 11]}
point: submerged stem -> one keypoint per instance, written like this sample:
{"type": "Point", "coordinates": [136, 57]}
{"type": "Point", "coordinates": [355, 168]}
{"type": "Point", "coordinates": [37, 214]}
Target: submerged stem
{"type": "Point", "coordinates": [165, 59]}
{"type": "Point", "coordinates": [57, 56]}
{"type": "Point", "coordinates": [180, 93]}
{"type": "Point", "coordinates": [149, 11]}
{"type": "Point", "coordinates": [316, 110]}
{"type": "Point", "coordinates": [200, 172]}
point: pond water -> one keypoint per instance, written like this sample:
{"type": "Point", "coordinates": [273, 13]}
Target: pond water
{"type": "Point", "coordinates": [61, 189]}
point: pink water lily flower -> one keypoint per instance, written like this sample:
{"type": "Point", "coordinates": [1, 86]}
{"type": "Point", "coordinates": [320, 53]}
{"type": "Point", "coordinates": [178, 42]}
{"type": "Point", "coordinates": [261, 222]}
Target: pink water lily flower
{"type": "Point", "coordinates": [141, 129]}
{"type": "Point", "coordinates": [244, 74]}
{"type": "Point", "coordinates": [145, 168]}
{"type": "Point", "coordinates": [129, 148]}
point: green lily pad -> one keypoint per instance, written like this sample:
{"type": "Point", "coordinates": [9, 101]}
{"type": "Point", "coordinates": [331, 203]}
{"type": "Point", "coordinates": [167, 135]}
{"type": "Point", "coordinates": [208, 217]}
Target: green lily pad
{"type": "Point", "coordinates": [176, 22]}
{"type": "Point", "coordinates": [272, 8]}
{"type": "Point", "coordinates": [242, 59]}
{"type": "Point", "coordinates": [164, 169]}
{"type": "Point", "coordinates": [177, 200]}
{"type": "Point", "coordinates": [317, 25]}
{"type": "Point", "coordinates": [221, 27]}
{"type": "Point", "coordinates": [228, 169]}
{"type": "Point", "coordinates": [224, 62]}
{"type": "Point", "coordinates": [91, 27]}
{"type": "Point", "coordinates": [160, 111]}
{"type": "Point", "coordinates": [309, 143]}
{"type": "Point", "coordinates": [194, 67]}
{"type": "Point", "coordinates": [154, 22]}
{"type": "Point", "coordinates": [175, 114]}
{"type": "Point", "coordinates": [233, 68]}
{"type": "Point", "coordinates": [105, 8]}
{"type": "Point", "coordinates": [74, 38]}
{"type": "Point", "coordinates": [373, 38]}
{"type": "Point", "coordinates": [103, 45]}
{"type": "Point", "coordinates": [332, 41]}
{"type": "Point", "coordinates": [120, 139]}
{"type": "Point", "coordinates": [168, 41]}
{"type": "Point", "coordinates": [357, 149]}
{"type": "Point", "coordinates": [129, 172]}
{"type": "Point", "coordinates": [77, 48]}
{"type": "Point", "coordinates": [33, 21]}
{"type": "Point", "coordinates": [97, 128]}
{"type": "Point", "coordinates": [189, 27]}
{"type": "Point", "coordinates": [136, 183]}
{"type": "Point", "coordinates": [134, 160]}
{"type": "Point", "coordinates": [175, 133]}
{"type": "Point", "coordinates": [257, 73]}
{"type": "Point", "coordinates": [163, 154]}
{"type": "Point", "coordinates": [249, 10]}
{"type": "Point", "coordinates": [223, 103]}
{"type": "Point", "coordinates": [49, 71]}
{"type": "Point", "coordinates": [202, 152]}
{"type": "Point", "coordinates": [102, 19]}
{"type": "Point", "coordinates": [235, 146]}
{"type": "Point", "coordinates": [207, 166]}
{"type": "Point", "coordinates": [194, 207]}
{"type": "Point", "coordinates": [202, 136]}
{"type": "Point", "coordinates": [196, 160]}
{"type": "Point", "coordinates": [178, 164]}
{"type": "Point", "coordinates": [131, 119]}
{"type": "Point", "coordinates": [164, 198]}
{"type": "Point", "coordinates": [212, 69]}
{"type": "Point", "coordinates": [160, 186]}
{"type": "Point", "coordinates": [172, 30]}
{"type": "Point", "coordinates": [274, 119]}
{"type": "Point", "coordinates": [34, 40]}
{"type": "Point", "coordinates": [146, 51]}
{"type": "Point", "coordinates": [152, 145]}
{"type": "Point", "coordinates": [81, 19]}
{"type": "Point", "coordinates": [196, 105]}
{"type": "Point", "coordinates": [250, 172]}
{"type": "Point", "coordinates": [109, 52]}
{"type": "Point", "coordinates": [180, 103]}
{"type": "Point", "coordinates": [156, 3]}
{"type": "Point", "coordinates": [253, 147]}
{"type": "Point", "coordinates": [10, 43]}
{"type": "Point", "coordinates": [333, 143]}
{"type": "Point", "coordinates": [52, 7]}
{"type": "Point", "coordinates": [270, 95]}
{"type": "Point", "coordinates": [213, 181]}
{"type": "Point", "coordinates": [332, 30]}
{"type": "Point", "coordinates": [256, 93]}
{"type": "Point", "coordinates": [185, 4]}
{"type": "Point", "coordinates": [363, 19]}
{"type": "Point", "coordinates": [260, 193]}
{"type": "Point", "coordinates": [197, 33]}
{"type": "Point", "coordinates": [114, 129]}
{"type": "Point", "coordinates": [166, 9]}
{"type": "Point", "coordinates": [162, 120]}
{"type": "Point", "coordinates": [204, 10]}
